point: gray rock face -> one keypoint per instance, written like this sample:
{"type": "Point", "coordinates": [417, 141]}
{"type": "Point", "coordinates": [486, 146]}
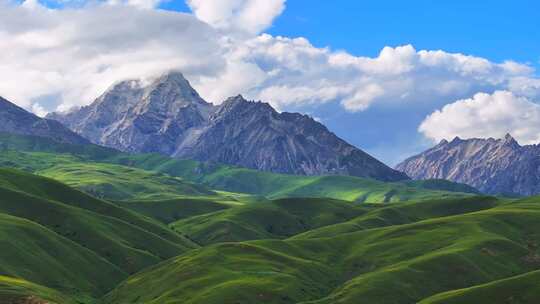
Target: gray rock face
{"type": "Point", "coordinates": [134, 118]}
{"type": "Point", "coordinates": [493, 166]}
{"type": "Point", "coordinates": [16, 120]}
{"type": "Point", "coordinates": [169, 117]}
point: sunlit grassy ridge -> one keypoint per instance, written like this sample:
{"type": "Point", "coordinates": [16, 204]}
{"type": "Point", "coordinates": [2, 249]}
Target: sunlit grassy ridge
{"type": "Point", "coordinates": [13, 290]}
{"type": "Point", "coordinates": [277, 219]}
{"type": "Point", "coordinates": [109, 174]}
{"type": "Point", "coordinates": [179, 231]}
{"type": "Point", "coordinates": [303, 250]}
{"type": "Point", "coordinates": [392, 264]}
{"type": "Point", "coordinates": [60, 238]}
{"type": "Point", "coordinates": [524, 288]}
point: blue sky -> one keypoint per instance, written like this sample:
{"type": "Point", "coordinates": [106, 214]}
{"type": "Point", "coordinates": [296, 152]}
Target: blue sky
{"type": "Point", "coordinates": [497, 29]}
{"type": "Point", "coordinates": [392, 103]}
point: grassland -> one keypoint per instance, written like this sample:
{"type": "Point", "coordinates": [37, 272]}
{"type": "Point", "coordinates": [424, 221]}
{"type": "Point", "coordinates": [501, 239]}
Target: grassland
{"type": "Point", "coordinates": [392, 264]}
{"type": "Point", "coordinates": [296, 250]}
{"type": "Point", "coordinates": [60, 238]}
{"type": "Point", "coordinates": [112, 175]}
{"type": "Point", "coordinates": [91, 225]}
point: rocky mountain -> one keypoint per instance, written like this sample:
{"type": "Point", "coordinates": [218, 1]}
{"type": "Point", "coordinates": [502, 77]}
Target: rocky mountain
{"type": "Point", "coordinates": [494, 166]}
{"type": "Point", "coordinates": [136, 118]}
{"type": "Point", "coordinates": [168, 116]}
{"type": "Point", "coordinates": [16, 120]}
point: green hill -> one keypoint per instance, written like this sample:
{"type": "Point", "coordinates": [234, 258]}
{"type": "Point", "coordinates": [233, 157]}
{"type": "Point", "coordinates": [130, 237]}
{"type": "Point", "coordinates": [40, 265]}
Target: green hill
{"type": "Point", "coordinates": [272, 220]}
{"type": "Point", "coordinates": [14, 290]}
{"type": "Point", "coordinates": [110, 174]}
{"type": "Point", "coordinates": [58, 238]}
{"type": "Point", "coordinates": [163, 230]}
{"type": "Point", "coordinates": [36, 254]}
{"type": "Point", "coordinates": [523, 289]}
{"type": "Point", "coordinates": [168, 211]}
{"type": "Point", "coordinates": [123, 183]}
{"type": "Point", "coordinates": [393, 264]}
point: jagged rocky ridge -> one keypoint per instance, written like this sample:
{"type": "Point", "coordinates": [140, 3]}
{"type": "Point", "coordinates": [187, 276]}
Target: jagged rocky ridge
{"type": "Point", "coordinates": [169, 117]}
{"type": "Point", "coordinates": [494, 166]}
{"type": "Point", "coordinates": [16, 120]}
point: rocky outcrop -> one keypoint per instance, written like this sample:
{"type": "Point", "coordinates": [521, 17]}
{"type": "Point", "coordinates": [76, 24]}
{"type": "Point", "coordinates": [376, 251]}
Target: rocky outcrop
{"type": "Point", "coordinates": [493, 166]}
{"type": "Point", "coordinates": [16, 120]}
{"type": "Point", "coordinates": [169, 117]}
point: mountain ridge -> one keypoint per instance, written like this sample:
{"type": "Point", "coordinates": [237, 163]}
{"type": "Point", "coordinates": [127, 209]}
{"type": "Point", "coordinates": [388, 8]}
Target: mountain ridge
{"type": "Point", "coordinates": [169, 117]}
{"type": "Point", "coordinates": [494, 166]}
{"type": "Point", "coordinates": [14, 119]}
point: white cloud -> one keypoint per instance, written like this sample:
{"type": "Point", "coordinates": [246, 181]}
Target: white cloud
{"type": "Point", "coordinates": [39, 110]}
{"type": "Point", "coordinates": [486, 115]}
{"type": "Point", "coordinates": [293, 72]}
{"type": "Point", "coordinates": [249, 16]}
{"type": "Point", "coordinates": [144, 4]}
{"type": "Point", "coordinates": [77, 53]}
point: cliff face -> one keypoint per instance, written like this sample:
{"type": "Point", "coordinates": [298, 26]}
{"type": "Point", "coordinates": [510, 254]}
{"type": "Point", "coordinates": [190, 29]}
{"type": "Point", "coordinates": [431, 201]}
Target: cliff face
{"type": "Point", "coordinates": [493, 166]}
{"type": "Point", "coordinates": [169, 117]}
{"type": "Point", "coordinates": [16, 120]}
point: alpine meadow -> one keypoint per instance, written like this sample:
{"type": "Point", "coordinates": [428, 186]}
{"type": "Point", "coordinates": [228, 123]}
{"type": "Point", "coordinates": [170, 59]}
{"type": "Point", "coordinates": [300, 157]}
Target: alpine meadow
{"type": "Point", "coordinates": [269, 151]}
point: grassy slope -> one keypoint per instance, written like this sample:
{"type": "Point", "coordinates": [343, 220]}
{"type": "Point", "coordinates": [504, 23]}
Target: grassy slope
{"type": "Point", "coordinates": [394, 264]}
{"type": "Point", "coordinates": [49, 189]}
{"type": "Point", "coordinates": [124, 245]}
{"type": "Point", "coordinates": [276, 186]}
{"type": "Point", "coordinates": [404, 213]}
{"type": "Point", "coordinates": [272, 220]}
{"type": "Point", "coordinates": [34, 253]}
{"type": "Point", "coordinates": [522, 289]}
{"type": "Point", "coordinates": [57, 161]}
{"type": "Point", "coordinates": [61, 245]}
{"type": "Point", "coordinates": [123, 183]}
{"type": "Point", "coordinates": [16, 290]}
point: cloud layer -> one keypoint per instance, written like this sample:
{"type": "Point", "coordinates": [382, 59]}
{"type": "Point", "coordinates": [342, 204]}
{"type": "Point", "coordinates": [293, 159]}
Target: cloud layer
{"type": "Point", "coordinates": [486, 115]}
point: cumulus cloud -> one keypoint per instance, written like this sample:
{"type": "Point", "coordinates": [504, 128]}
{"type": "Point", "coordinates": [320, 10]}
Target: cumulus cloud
{"type": "Point", "coordinates": [75, 54]}
{"type": "Point", "coordinates": [248, 16]}
{"type": "Point", "coordinates": [486, 115]}
{"type": "Point", "coordinates": [294, 72]}
{"type": "Point", "coordinates": [78, 53]}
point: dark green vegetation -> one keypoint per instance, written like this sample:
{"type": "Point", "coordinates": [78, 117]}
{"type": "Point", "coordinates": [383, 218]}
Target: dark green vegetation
{"type": "Point", "coordinates": [176, 231]}
{"type": "Point", "coordinates": [405, 263]}
{"type": "Point", "coordinates": [54, 236]}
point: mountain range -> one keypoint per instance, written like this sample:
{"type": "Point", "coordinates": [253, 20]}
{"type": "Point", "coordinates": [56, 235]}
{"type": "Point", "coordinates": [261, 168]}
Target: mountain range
{"type": "Point", "coordinates": [84, 224]}
{"type": "Point", "coordinates": [16, 120]}
{"type": "Point", "coordinates": [169, 117]}
{"type": "Point", "coordinates": [493, 166]}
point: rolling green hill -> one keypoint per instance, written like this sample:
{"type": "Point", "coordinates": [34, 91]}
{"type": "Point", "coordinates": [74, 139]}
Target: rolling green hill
{"type": "Point", "coordinates": [110, 174]}
{"type": "Point", "coordinates": [277, 219]}
{"type": "Point", "coordinates": [54, 237]}
{"type": "Point", "coordinates": [523, 288]}
{"type": "Point", "coordinates": [76, 248]}
{"type": "Point", "coordinates": [393, 264]}
{"type": "Point", "coordinates": [147, 229]}
{"type": "Point", "coordinates": [14, 290]}
{"type": "Point", "coordinates": [38, 255]}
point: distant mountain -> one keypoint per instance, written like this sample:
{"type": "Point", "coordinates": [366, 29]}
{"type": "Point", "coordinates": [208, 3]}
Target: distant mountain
{"type": "Point", "coordinates": [169, 117]}
{"type": "Point", "coordinates": [493, 166]}
{"type": "Point", "coordinates": [16, 120]}
{"type": "Point", "coordinates": [136, 118]}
